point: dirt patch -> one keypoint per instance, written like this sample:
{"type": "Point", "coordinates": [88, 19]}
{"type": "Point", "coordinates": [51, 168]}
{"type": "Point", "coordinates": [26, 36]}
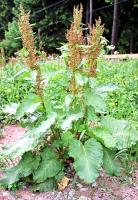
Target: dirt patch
{"type": "Point", "coordinates": [105, 188]}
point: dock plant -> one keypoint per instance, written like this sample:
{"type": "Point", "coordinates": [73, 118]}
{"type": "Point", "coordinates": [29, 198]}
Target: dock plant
{"type": "Point", "coordinates": [72, 126]}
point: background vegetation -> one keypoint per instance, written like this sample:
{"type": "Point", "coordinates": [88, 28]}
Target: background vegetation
{"type": "Point", "coordinates": [50, 19]}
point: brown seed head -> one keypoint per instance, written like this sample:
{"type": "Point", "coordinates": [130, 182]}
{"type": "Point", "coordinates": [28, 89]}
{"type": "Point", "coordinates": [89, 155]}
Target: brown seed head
{"type": "Point", "coordinates": [94, 41]}
{"type": "Point", "coordinates": [27, 38]}
{"type": "Point", "coordinates": [75, 39]}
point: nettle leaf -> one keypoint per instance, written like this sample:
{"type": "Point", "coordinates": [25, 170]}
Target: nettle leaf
{"type": "Point", "coordinates": [122, 133]}
{"type": "Point", "coordinates": [95, 100]}
{"type": "Point", "coordinates": [49, 185]}
{"type": "Point", "coordinates": [49, 167]}
{"type": "Point", "coordinates": [29, 105]}
{"type": "Point", "coordinates": [67, 123]}
{"type": "Point", "coordinates": [110, 165]}
{"type": "Point", "coordinates": [88, 159]}
{"type": "Point", "coordinates": [30, 139]}
{"type": "Point", "coordinates": [26, 166]}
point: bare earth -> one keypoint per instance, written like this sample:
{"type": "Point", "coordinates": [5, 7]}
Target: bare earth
{"type": "Point", "coordinates": [106, 188]}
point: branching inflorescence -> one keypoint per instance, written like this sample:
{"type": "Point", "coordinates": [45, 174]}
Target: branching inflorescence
{"type": "Point", "coordinates": [76, 40]}
{"type": "Point", "coordinates": [29, 44]}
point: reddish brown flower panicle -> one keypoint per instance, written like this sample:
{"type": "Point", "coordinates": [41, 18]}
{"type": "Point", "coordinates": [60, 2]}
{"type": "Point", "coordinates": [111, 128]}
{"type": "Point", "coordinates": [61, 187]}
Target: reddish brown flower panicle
{"type": "Point", "coordinates": [75, 39]}
{"type": "Point", "coordinates": [27, 38]}
{"type": "Point", "coordinates": [95, 46]}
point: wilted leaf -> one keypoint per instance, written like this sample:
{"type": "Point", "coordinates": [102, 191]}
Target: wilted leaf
{"type": "Point", "coordinates": [63, 183]}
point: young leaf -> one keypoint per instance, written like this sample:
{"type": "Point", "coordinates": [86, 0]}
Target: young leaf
{"type": "Point", "coordinates": [67, 123]}
{"type": "Point", "coordinates": [111, 167]}
{"type": "Point", "coordinates": [26, 166]}
{"type": "Point", "coordinates": [88, 159]}
{"type": "Point", "coordinates": [49, 167]}
{"type": "Point", "coordinates": [29, 105]}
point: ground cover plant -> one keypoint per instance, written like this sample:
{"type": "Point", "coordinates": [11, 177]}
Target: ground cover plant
{"type": "Point", "coordinates": [69, 123]}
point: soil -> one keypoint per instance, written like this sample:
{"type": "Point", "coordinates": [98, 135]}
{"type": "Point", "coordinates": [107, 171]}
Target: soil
{"type": "Point", "coordinates": [105, 188]}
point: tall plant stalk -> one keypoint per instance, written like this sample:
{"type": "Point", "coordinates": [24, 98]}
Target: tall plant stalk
{"type": "Point", "coordinates": [29, 44]}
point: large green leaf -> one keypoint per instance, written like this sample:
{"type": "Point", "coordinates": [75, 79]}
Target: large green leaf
{"type": "Point", "coordinates": [121, 133]}
{"type": "Point", "coordinates": [49, 167]}
{"type": "Point", "coordinates": [29, 105]}
{"type": "Point", "coordinates": [67, 123]}
{"type": "Point", "coordinates": [104, 136]}
{"type": "Point", "coordinates": [30, 139]}
{"type": "Point", "coordinates": [88, 159]}
{"type": "Point", "coordinates": [110, 165]}
{"type": "Point", "coordinates": [26, 166]}
{"type": "Point", "coordinates": [95, 100]}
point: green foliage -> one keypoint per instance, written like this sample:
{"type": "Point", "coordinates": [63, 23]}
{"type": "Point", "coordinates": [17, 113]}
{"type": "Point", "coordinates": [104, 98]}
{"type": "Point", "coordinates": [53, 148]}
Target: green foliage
{"type": "Point", "coordinates": [12, 41]}
{"type": "Point", "coordinates": [115, 133]}
{"type": "Point", "coordinates": [31, 139]}
{"type": "Point", "coordinates": [49, 167]}
{"type": "Point", "coordinates": [49, 185]}
{"type": "Point", "coordinates": [88, 159]}
{"type": "Point", "coordinates": [26, 166]}
{"type": "Point", "coordinates": [28, 105]}
{"type": "Point", "coordinates": [75, 127]}
{"type": "Point", "coordinates": [122, 102]}
{"type": "Point", "coordinates": [110, 165]}
{"type": "Point", "coordinates": [72, 127]}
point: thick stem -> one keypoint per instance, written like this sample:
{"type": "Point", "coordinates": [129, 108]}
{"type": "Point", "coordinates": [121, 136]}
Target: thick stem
{"type": "Point", "coordinates": [39, 87]}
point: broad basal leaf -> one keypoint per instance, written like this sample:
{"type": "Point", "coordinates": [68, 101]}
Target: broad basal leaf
{"type": "Point", "coordinates": [88, 159]}
{"type": "Point", "coordinates": [30, 139]}
{"type": "Point", "coordinates": [29, 105]}
{"type": "Point", "coordinates": [122, 133]}
{"type": "Point", "coordinates": [49, 167]}
{"type": "Point", "coordinates": [49, 185]}
{"type": "Point", "coordinates": [110, 165]}
{"type": "Point", "coordinates": [67, 123]}
{"type": "Point", "coordinates": [26, 166]}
